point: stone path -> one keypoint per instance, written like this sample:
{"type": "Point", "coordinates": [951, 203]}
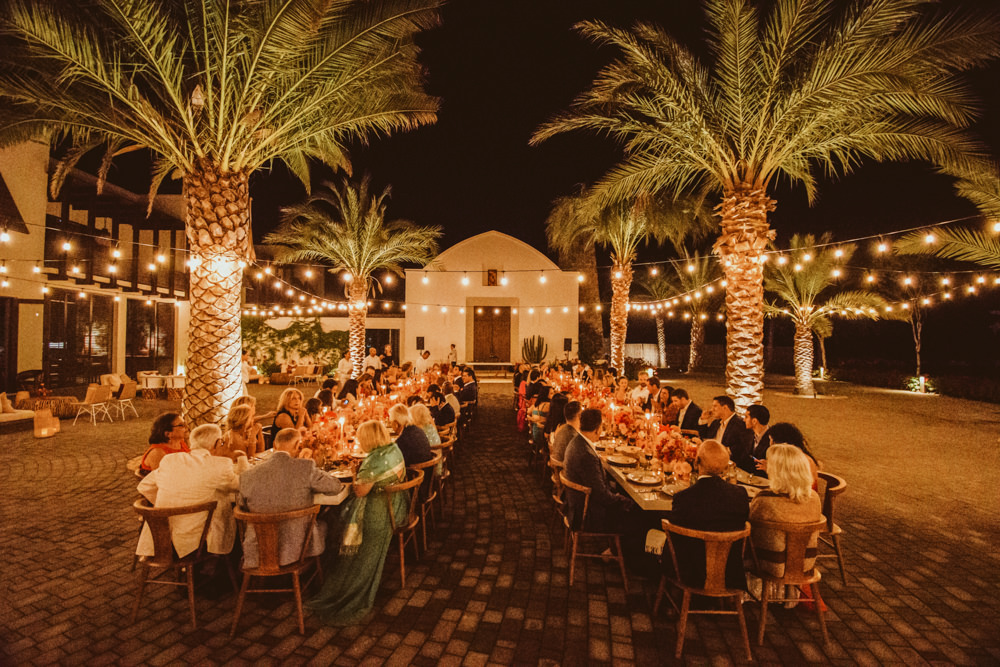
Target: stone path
{"type": "Point", "coordinates": [493, 587]}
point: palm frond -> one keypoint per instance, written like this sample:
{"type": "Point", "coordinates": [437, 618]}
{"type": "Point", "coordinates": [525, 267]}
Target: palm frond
{"type": "Point", "coordinates": [967, 245]}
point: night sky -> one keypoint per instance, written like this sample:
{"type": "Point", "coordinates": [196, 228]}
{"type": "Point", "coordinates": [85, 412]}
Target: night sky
{"type": "Point", "coordinates": [503, 68]}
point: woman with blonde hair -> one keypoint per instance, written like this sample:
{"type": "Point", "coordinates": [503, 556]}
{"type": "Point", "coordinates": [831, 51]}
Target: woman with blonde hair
{"type": "Point", "coordinates": [354, 571]}
{"type": "Point", "coordinates": [243, 432]}
{"type": "Point", "coordinates": [291, 411]}
{"type": "Point", "coordinates": [420, 414]}
{"type": "Point", "coordinates": [789, 499]}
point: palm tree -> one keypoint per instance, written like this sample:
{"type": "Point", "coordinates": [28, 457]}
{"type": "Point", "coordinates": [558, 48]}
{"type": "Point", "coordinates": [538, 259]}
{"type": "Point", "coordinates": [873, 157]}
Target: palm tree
{"type": "Point", "coordinates": [797, 91]}
{"type": "Point", "coordinates": [969, 245]}
{"type": "Point", "coordinates": [659, 288]}
{"type": "Point", "coordinates": [580, 256]}
{"type": "Point", "coordinates": [697, 275]}
{"type": "Point", "coordinates": [622, 228]}
{"type": "Point", "coordinates": [806, 288]}
{"type": "Point", "coordinates": [345, 227]}
{"type": "Point", "coordinates": [214, 90]}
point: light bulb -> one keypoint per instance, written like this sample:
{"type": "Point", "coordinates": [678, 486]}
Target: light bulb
{"type": "Point", "coordinates": [4, 238]}
{"type": "Point", "coordinates": [66, 246]}
{"type": "Point", "coordinates": [151, 266]}
{"type": "Point", "coordinates": [425, 280]}
{"type": "Point", "coordinates": [161, 259]}
{"type": "Point", "coordinates": [309, 273]}
{"type": "Point", "coordinates": [465, 280]}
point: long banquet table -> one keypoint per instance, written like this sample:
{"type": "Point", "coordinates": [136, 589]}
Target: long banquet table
{"type": "Point", "coordinates": [659, 498]}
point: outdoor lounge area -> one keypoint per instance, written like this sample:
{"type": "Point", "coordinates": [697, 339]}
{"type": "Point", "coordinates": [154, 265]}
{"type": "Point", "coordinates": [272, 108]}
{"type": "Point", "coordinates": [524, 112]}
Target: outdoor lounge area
{"type": "Point", "coordinates": [493, 586]}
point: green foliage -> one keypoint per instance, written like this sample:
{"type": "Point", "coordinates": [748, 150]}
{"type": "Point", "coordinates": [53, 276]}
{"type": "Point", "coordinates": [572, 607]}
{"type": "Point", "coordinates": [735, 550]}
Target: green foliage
{"type": "Point", "coordinates": [913, 384]}
{"type": "Point", "coordinates": [534, 349]}
{"type": "Point", "coordinates": [633, 366]}
{"type": "Point", "coordinates": [344, 225]}
{"type": "Point", "coordinates": [302, 338]}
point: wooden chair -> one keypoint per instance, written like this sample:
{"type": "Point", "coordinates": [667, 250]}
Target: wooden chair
{"type": "Point", "coordinates": [443, 480]}
{"type": "Point", "coordinates": [407, 530]}
{"type": "Point", "coordinates": [556, 468]}
{"type": "Point", "coordinates": [95, 403]}
{"type": "Point", "coordinates": [164, 560]}
{"type": "Point", "coordinates": [717, 549]}
{"type": "Point", "coordinates": [428, 491]}
{"type": "Point", "coordinates": [797, 551]}
{"type": "Point", "coordinates": [125, 397]}
{"type": "Point", "coordinates": [266, 528]}
{"type": "Point", "coordinates": [578, 533]}
{"type": "Point", "coordinates": [830, 536]}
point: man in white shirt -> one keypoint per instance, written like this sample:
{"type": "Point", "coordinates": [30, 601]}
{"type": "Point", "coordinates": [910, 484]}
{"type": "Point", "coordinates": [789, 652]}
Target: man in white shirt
{"type": "Point", "coordinates": [372, 361]}
{"type": "Point", "coordinates": [452, 356]}
{"type": "Point", "coordinates": [189, 478]}
{"type": "Point", "coordinates": [344, 368]}
{"type": "Point", "coordinates": [423, 363]}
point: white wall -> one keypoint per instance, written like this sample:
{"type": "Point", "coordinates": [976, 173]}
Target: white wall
{"type": "Point", "coordinates": [548, 309]}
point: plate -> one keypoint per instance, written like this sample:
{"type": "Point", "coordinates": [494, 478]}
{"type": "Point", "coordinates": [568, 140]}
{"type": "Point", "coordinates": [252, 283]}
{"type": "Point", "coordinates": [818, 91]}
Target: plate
{"type": "Point", "coordinates": [621, 460]}
{"type": "Point", "coordinates": [671, 489]}
{"type": "Point", "coordinates": [630, 450]}
{"type": "Point", "coordinates": [643, 478]}
{"type": "Point", "coordinates": [359, 455]}
{"type": "Point", "coordinates": [342, 473]}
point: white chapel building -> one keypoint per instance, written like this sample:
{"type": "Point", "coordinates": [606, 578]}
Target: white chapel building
{"type": "Point", "coordinates": [487, 294]}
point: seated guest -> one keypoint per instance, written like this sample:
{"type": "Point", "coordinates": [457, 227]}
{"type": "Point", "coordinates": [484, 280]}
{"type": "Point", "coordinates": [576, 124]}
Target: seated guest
{"type": "Point", "coordinates": [534, 375]}
{"type": "Point", "coordinates": [325, 397]}
{"type": "Point", "coordinates": [366, 385]}
{"type": "Point", "coordinates": [688, 412]}
{"type": "Point", "coordinates": [756, 420]}
{"type": "Point", "coordinates": [440, 409]}
{"type": "Point", "coordinates": [569, 430]}
{"type": "Point", "coordinates": [710, 504]}
{"type": "Point", "coordinates": [421, 417]}
{"type": "Point", "coordinates": [448, 389]}
{"type": "Point", "coordinates": [353, 564]}
{"type": "Point", "coordinates": [621, 391]}
{"type": "Point", "coordinates": [668, 409]}
{"type": "Point", "coordinates": [639, 394]}
{"type": "Point", "coordinates": [537, 417]}
{"type": "Point", "coordinates": [243, 433]}
{"type": "Point", "coordinates": [413, 399]}
{"type": "Point", "coordinates": [314, 408]}
{"type": "Point", "coordinates": [291, 411]}
{"type": "Point", "coordinates": [556, 416]}
{"type": "Point", "coordinates": [652, 403]}
{"type": "Point", "coordinates": [409, 438]}
{"type": "Point", "coordinates": [789, 499]}
{"type": "Point", "coordinates": [167, 436]}
{"type": "Point", "coordinates": [188, 478]}
{"type": "Point", "coordinates": [470, 389]}
{"type": "Point", "coordinates": [349, 392]}
{"type": "Point", "coordinates": [423, 363]}
{"type": "Point", "coordinates": [784, 433]}
{"type": "Point", "coordinates": [282, 483]}
{"type": "Point", "coordinates": [607, 510]}
{"type": "Point", "coordinates": [728, 429]}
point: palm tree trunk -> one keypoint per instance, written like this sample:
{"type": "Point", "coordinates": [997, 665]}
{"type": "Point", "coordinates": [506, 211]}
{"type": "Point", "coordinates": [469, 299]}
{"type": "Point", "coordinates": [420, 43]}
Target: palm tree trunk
{"type": "Point", "coordinates": [741, 247]}
{"type": "Point", "coordinates": [356, 323]}
{"type": "Point", "coordinates": [661, 340]}
{"type": "Point", "coordinates": [621, 284]}
{"type": "Point", "coordinates": [822, 354]}
{"type": "Point", "coordinates": [218, 235]}
{"type": "Point", "coordinates": [697, 340]}
{"type": "Point", "coordinates": [917, 325]}
{"type": "Point", "coordinates": [803, 355]}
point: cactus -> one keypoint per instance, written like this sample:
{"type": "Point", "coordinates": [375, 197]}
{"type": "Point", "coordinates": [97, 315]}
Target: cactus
{"type": "Point", "coordinates": [534, 350]}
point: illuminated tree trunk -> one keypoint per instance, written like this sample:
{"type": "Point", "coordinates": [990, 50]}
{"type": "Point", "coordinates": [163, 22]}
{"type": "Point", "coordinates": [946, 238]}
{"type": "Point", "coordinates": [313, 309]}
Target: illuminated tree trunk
{"type": "Point", "coordinates": [697, 340]}
{"type": "Point", "coordinates": [741, 247]}
{"type": "Point", "coordinates": [356, 323]}
{"type": "Point", "coordinates": [218, 235]}
{"type": "Point", "coordinates": [661, 340]}
{"type": "Point", "coordinates": [917, 326]}
{"type": "Point", "coordinates": [803, 356]}
{"type": "Point", "coordinates": [621, 283]}
{"type": "Point", "coordinates": [822, 354]}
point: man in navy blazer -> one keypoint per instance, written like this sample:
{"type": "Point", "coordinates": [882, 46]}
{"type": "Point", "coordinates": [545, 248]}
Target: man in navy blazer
{"type": "Point", "coordinates": [728, 429]}
{"type": "Point", "coordinates": [283, 483]}
{"type": "Point", "coordinates": [689, 413]}
{"type": "Point", "coordinates": [710, 504]}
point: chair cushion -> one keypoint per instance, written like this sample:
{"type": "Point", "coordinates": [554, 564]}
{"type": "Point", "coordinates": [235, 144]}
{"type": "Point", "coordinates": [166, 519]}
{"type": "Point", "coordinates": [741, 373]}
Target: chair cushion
{"type": "Point", "coordinates": [5, 405]}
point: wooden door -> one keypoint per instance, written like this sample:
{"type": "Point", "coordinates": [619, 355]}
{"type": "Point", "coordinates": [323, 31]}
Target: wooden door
{"type": "Point", "coordinates": [491, 334]}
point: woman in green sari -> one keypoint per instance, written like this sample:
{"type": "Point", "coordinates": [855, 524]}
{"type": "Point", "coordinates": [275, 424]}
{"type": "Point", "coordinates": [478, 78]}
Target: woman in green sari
{"type": "Point", "coordinates": [356, 549]}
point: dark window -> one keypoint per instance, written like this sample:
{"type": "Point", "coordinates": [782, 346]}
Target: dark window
{"type": "Point", "coordinates": [491, 278]}
{"type": "Point", "coordinates": [150, 337]}
{"type": "Point", "coordinates": [78, 338]}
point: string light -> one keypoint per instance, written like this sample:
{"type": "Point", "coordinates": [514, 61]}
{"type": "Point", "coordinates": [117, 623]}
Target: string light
{"type": "Point", "coordinates": [4, 237]}
{"type": "Point", "coordinates": [465, 280]}
{"type": "Point", "coordinates": [542, 279]}
{"type": "Point", "coordinates": [503, 279]}
{"type": "Point", "coordinates": [425, 279]}
{"type": "Point", "coordinates": [66, 246]}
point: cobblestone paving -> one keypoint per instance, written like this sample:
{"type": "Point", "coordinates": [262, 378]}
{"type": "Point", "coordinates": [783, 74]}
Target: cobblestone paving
{"type": "Point", "coordinates": [922, 579]}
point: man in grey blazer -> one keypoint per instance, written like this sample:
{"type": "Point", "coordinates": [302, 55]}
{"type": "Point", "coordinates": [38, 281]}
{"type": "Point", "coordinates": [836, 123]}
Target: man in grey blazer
{"type": "Point", "coordinates": [280, 484]}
